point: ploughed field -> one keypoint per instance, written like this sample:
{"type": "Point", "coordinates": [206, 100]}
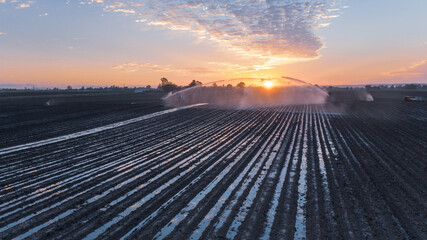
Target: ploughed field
{"type": "Point", "coordinates": [30, 118]}
{"type": "Point", "coordinates": [290, 172]}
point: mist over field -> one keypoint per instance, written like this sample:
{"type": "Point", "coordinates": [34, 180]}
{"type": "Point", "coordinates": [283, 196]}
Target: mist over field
{"type": "Point", "coordinates": [259, 92]}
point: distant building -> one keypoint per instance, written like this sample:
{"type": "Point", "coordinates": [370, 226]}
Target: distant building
{"type": "Point", "coordinates": [141, 90]}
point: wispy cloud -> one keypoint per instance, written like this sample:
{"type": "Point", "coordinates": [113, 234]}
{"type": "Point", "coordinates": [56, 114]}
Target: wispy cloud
{"type": "Point", "coordinates": [134, 66]}
{"type": "Point", "coordinates": [127, 11]}
{"type": "Point", "coordinates": [2, 33]}
{"type": "Point", "coordinates": [19, 4]}
{"type": "Point", "coordinates": [23, 5]}
{"type": "Point", "coordinates": [91, 2]}
{"type": "Point", "coordinates": [417, 72]}
{"type": "Point", "coordinates": [210, 68]}
{"type": "Point", "coordinates": [284, 29]}
{"type": "Point", "coordinates": [198, 70]}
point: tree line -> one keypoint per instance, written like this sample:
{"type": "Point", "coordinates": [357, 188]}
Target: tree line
{"type": "Point", "coordinates": [168, 86]}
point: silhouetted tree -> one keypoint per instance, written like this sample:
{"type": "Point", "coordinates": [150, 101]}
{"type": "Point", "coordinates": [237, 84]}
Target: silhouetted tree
{"type": "Point", "coordinates": [148, 87]}
{"type": "Point", "coordinates": [241, 85]}
{"type": "Point", "coordinates": [164, 81]}
{"type": "Point", "coordinates": [229, 86]}
{"type": "Point", "coordinates": [194, 83]}
{"type": "Point", "coordinates": [167, 86]}
{"type": "Point", "coordinates": [69, 87]}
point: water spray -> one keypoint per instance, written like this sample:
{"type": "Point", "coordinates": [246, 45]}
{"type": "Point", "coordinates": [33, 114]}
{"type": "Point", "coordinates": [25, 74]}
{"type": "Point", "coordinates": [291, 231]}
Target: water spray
{"type": "Point", "coordinates": [259, 92]}
{"type": "Point", "coordinates": [313, 86]}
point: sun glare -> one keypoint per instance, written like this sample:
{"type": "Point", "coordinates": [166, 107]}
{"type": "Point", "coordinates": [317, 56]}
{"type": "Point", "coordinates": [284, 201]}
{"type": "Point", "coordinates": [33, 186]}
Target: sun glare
{"type": "Point", "coordinates": [268, 84]}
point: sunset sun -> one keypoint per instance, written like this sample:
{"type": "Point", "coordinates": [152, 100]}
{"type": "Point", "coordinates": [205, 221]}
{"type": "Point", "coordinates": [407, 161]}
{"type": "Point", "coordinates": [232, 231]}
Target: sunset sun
{"type": "Point", "coordinates": [268, 84]}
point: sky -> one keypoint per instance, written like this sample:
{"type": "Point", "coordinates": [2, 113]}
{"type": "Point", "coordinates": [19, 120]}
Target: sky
{"type": "Point", "coordinates": [126, 43]}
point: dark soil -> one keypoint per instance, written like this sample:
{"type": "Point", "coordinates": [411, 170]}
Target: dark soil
{"type": "Point", "coordinates": [344, 170]}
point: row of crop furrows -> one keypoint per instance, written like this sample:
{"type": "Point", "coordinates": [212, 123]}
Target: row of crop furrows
{"type": "Point", "coordinates": [385, 189]}
{"type": "Point", "coordinates": [395, 163]}
{"type": "Point", "coordinates": [281, 173]}
{"type": "Point", "coordinates": [407, 119]}
{"type": "Point", "coordinates": [20, 131]}
{"type": "Point", "coordinates": [201, 150]}
{"type": "Point", "coordinates": [72, 164]}
{"type": "Point", "coordinates": [72, 168]}
{"type": "Point", "coordinates": [168, 159]}
{"type": "Point", "coordinates": [255, 170]}
{"type": "Point", "coordinates": [32, 160]}
{"type": "Point", "coordinates": [30, 114]}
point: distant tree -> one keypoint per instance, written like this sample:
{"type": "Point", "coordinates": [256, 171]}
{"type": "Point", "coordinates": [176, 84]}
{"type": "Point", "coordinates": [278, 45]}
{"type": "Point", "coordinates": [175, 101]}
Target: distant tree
{"type": "Point", "coordinates": [148, 87]}
{"type": "Point", "coordinates": [229, 86]}
{"type": "Point", "coordinates": [167, 86]}
{"type": "Point", "coordinates": [214, 85]}
{"type": "Point", "coordinates": [410, 86]}
{"type": "Point", "coordinates": [82, 88]}
{"type": "Point", "coordinates": [69, 87]}
{"type": "Point", "coordinates": [164, 81]}
{"type": "Point", "coordinates": [241, 85]}
{"type": "Point", "coordinates": [194, 83]}
{"type": "Point", "coordinates": [368, 87]}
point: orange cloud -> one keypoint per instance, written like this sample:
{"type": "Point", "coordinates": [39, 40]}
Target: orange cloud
{"type": "Point", "coordinates": [133, 67]}
{"type": "Point", "coordinates": [23, 5]}
{"type": "Point", "coordinates": [416, 70]}
{"type": "Point", "coordinates": [128, 11]}
{"type": "Point", "coordinates": [211, 68]}
{"type": "Point", "coordinates": [414, 73]}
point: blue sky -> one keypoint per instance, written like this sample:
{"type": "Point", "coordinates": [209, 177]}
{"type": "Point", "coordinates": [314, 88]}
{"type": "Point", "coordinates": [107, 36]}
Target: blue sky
{"type": "Point", "coordinates": [87, 42]}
